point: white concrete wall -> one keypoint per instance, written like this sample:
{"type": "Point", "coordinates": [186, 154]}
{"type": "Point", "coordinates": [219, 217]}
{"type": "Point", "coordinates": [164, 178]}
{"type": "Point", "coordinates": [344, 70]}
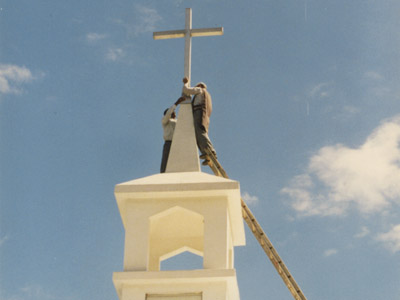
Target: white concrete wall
{"type": "Point", "coordinates": [216, 236]}
{"type": "Point", "coordinates": [136, 240]}
{"type": "Point", "coordinates": [172, 232]}
{"type": "Point", "coordinates": [210, 291]}
{"type": "Point", "coordinates": [166, 214]}
{"type": "Point", "coordinates": [145, 247]}
{"type": "Point", "coordinates": [186, 296]}
{"type": "Point", "coordinates": [211, 284]}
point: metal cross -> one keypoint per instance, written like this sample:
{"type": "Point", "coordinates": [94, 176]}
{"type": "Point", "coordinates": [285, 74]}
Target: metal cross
{"type": "Point", "coordinates": [188, 33]}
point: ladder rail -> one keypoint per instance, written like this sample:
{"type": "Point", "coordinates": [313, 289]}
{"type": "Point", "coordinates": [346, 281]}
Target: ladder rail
{"type": "Point", "coordinates": [262, 238]}
{"type": "Point", "coordinates": [272, 254]}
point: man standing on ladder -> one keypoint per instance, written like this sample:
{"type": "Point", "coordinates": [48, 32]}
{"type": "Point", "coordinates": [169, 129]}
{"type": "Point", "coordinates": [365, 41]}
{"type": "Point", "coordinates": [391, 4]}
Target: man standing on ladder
{"type": "Point", "coordinates": [202, 108]}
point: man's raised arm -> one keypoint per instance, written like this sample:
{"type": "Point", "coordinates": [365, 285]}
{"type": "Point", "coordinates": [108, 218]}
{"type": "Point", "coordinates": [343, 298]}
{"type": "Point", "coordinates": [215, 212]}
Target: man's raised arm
{"type": "Point", "coordinates": [187, 90]}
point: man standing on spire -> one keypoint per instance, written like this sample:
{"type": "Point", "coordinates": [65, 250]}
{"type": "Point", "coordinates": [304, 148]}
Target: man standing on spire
{"type": "Point", "coordinates": [168, 123]}
{"type": "Point", "coordinates": [202, 108]}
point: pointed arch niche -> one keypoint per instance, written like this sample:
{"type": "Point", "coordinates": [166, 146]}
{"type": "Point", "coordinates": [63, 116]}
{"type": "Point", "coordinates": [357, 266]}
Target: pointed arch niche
{"type": "Point", "coordinates": [186, 260]}
{"type": "Point", "coordinates": [172, 232]}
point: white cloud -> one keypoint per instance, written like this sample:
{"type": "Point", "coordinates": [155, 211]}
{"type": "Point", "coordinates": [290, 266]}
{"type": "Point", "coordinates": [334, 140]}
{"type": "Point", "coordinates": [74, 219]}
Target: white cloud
{"type": "Point", "coordinates": [351, 109]}
{"type": "Point", "coordinates": [250, 200]}
{"type": "Point", "coordinates": [391, 239]}
{"type": "Point", "coordinates": [93, 37]}
{"type": "Point", "coordinates": [321, 90]}
{"type": "Point", "coordinates": [11, 78]}
{"type": "Point", "coordinates": [364, 232]}
{"type": "Point", "coordinates": [147, 18]}
{"type": "Point", "coordinates": [144, 18]}
{"type": "Point", "coordinates": [377, 86]}
{"type": "Point", "coordinates": [330, 252]}
{"type": "Point", "coordinates": [338, 177]}
{"type": "Point", "coordinates": [3, 240]}
{"type": "Point", "coordinates": [380, 91]}
{"type": "Point", "coordinates": [373, 75]}
{"type": "Point", "coordinates": [144, 21]}
{"type": "Point", "coordinates": [115, 54]}
{"type": "Point", "coordinates": [34, 292]}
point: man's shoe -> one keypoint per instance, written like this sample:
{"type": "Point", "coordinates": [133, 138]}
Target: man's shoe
{"type": "Point", "coordinates": [206, 162]}
{"type": "Point", "coordinates": [203, 156]}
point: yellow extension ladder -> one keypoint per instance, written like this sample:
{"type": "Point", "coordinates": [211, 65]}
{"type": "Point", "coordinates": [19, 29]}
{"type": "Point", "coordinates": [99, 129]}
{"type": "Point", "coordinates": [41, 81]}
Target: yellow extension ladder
{"type": "Point", "coordinates": [261, 237]}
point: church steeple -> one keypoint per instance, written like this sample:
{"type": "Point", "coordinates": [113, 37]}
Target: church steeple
{"type": "Point", "coordinates": [181, 210]}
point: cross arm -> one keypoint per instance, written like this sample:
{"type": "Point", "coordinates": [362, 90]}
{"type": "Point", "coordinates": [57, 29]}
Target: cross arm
{"type": "Point", "coordinates": [174, 34]}
{"type": "Point", "coordinates": [207, 31]}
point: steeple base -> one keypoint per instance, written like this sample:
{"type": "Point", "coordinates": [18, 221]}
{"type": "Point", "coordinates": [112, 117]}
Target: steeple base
{"type": "Point", "coordinates": [177, 285]}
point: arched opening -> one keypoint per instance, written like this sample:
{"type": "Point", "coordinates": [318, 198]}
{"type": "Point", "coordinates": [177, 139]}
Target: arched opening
{"type": "Point", "coordinates": [172, 232]}
{"type": "Point", "coordinates": [184, 261]}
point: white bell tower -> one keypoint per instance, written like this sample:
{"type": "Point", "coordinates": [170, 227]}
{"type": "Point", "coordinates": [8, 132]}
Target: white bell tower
{"type": "Point", "coordinates": [181, 210]}
{"type": "Point", "coordinates": [173, 212]}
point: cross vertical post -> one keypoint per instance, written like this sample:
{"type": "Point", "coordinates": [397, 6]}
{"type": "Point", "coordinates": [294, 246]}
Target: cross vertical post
{"type": "Point", "coordinates": [188, 43]}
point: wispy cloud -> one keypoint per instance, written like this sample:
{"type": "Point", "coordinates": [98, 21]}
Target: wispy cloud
{"type": "Point", "coordinates": [12, 77]}
{"type": "Point", "coordinates": [34, 292]}
{"type": "Point", "coordinates": [117, 45]}
{"type": "Point", "coordinates": [339, 177]}
{"type": "Point", "coordinates": [381, 92]}
{"type": "Point", "coordinates": [391, 239]}
{"type": "Point", "coordinates": [115, 54]}
{"type": "Point", "coordinates": [363, 233]}
{"type": "Point", "coordinates": [321, 90]}
{"type": "Point", "coordinates": [3, 240]}
{"type": "Point", "coordinates": [93, 37]}
{"type": "Point", "coordinates": [111, 52]}
{"type": "Point", "coordinates": [377, 86]}
{"type": "Point", "coordinates": [373, 75]}
{"type": "Point", "coordinates": [330, 252]}
{"type": "Point", "coordinates": [351, 109]}
{"type": "Point", "coordinates": [146, 19]}
{"type": "Point", "coordinates": [249, 199]}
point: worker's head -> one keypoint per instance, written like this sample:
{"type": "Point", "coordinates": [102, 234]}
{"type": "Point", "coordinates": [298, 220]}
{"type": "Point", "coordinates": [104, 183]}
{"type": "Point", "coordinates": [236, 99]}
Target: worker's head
{"type": "Point", "coordinates": [202, 85]}
{"type": "Point", "coordinates": [173, 116]}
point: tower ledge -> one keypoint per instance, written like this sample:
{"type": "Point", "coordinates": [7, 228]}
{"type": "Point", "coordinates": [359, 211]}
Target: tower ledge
{"type": "Point", "coordinates": [178, 181]}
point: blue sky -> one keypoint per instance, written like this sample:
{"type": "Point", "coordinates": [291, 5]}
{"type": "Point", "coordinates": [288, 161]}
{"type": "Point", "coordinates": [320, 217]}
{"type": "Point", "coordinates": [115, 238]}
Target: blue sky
{"type": "Point", "coordinates": [306, 116]}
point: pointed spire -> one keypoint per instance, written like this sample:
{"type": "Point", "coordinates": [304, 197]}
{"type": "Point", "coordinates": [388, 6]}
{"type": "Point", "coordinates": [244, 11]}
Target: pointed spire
{"type": "Point", "coordinates": [183, 156]}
